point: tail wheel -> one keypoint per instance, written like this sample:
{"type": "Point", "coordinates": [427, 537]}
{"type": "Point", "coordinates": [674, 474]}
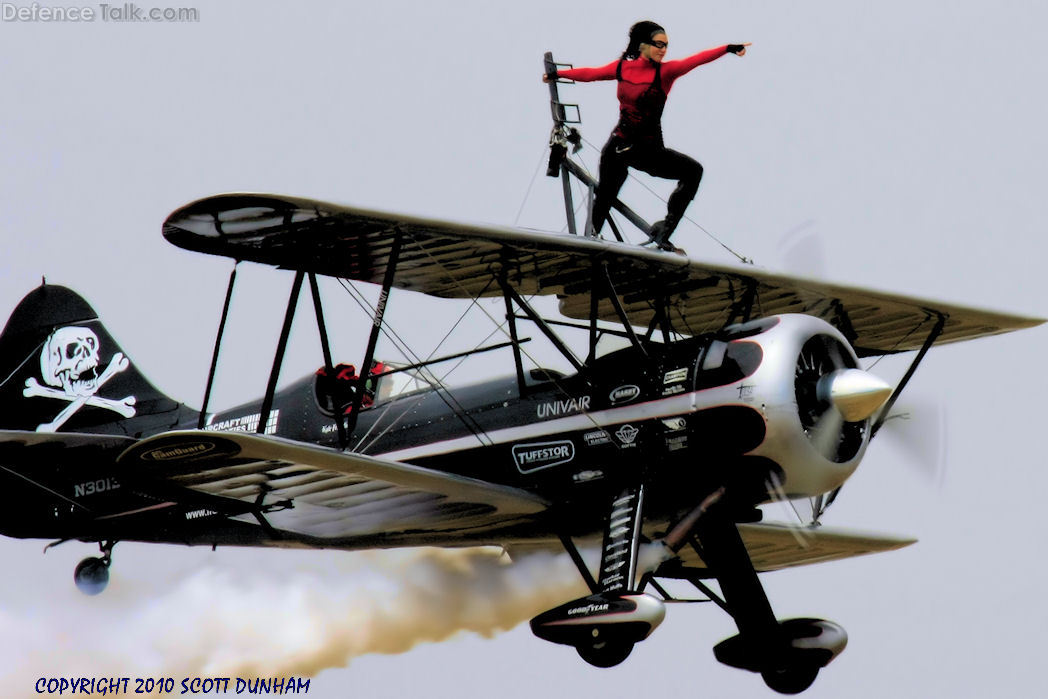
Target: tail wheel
{"type": "Point", "coordinates": [92, 575]}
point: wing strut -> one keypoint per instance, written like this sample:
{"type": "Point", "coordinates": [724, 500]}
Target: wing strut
{"type": "Point", "coordinates": [511, 318]}
{"type": "Point", "coordinates": [218, 345]}
{"type": "Point", "coordinates": [329, 367]}
{"type": "Point", "coordinates": [376, 327]}
{"type": "Point", "coordinates": [621, 312]}
{"type": "Point", "coordinates": [541, 324]}
{"type": "Point", "coordinates": [278, 360]}
{"type": "Point", "coordinates": [932, 337]}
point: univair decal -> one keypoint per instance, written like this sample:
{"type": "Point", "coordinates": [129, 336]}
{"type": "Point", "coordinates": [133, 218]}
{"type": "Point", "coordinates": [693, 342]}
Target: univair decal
{"type": "Point", "coordinates": [626, 435]}
{"type": "Point", "coordinates": [624, 394]}
{"type": "Point", "coordinates": [555, 408]}
{"type": "Point", "coordinates": [540, 455]}
{"type": "Point", "coordinates": [69, 365]}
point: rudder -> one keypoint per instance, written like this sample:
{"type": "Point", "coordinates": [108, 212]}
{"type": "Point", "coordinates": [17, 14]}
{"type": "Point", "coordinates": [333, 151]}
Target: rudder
{"type": "Point", "coordinates": [61, 370]}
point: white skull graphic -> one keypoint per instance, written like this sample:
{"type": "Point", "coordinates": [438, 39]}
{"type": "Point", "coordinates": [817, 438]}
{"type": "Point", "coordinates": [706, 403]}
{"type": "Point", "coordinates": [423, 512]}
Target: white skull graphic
{"type": "Point", "coordinates": [70, 360]}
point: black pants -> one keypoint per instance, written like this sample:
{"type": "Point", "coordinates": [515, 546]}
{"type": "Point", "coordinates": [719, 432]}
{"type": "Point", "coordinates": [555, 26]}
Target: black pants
{"type": "Point", "coordinates": [657, 160]}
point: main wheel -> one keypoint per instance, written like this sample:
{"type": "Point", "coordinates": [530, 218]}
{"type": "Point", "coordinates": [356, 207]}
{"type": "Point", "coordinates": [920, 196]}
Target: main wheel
{"type": "Point", "coordinates": [791, 680]}
{"type": "Point", "coordinates": [91, 575]}
{"type": "Point", "coordinates": [604, 653]}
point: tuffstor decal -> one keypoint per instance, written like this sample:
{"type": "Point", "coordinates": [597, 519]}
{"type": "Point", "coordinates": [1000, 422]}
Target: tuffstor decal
{"type": "Point", "coordinates": [540, 455]}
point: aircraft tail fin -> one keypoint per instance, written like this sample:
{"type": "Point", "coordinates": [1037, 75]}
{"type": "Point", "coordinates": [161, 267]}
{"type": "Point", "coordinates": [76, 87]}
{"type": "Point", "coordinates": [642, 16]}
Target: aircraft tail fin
{"type": "Point", "coordinates": [61, 370]}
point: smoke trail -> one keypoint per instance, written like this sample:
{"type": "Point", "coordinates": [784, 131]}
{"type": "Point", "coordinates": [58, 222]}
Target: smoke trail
{"type": "Point", "coordinates": [231, 619]}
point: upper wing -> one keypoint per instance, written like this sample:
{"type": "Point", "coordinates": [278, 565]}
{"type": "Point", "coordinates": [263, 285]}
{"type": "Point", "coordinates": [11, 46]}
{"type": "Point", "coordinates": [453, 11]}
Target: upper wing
{"type": "Point", "coordinates": [317, 492]}
{"type": "Point", "coordinates": [462, 261]}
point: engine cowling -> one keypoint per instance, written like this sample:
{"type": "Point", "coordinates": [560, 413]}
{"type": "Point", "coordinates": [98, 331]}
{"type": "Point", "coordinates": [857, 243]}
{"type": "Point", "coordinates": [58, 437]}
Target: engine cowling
{"type": "Point", "coordinates": [816, 402]}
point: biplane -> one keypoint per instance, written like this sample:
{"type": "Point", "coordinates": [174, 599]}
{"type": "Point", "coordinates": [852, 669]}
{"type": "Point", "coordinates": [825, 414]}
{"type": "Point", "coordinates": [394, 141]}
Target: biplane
{"type": "Point", "coordinates": [730, 387]}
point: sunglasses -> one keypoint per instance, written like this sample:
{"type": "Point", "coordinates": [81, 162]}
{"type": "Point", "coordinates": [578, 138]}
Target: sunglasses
{"type": "Point", "coordinates": [659, 44]}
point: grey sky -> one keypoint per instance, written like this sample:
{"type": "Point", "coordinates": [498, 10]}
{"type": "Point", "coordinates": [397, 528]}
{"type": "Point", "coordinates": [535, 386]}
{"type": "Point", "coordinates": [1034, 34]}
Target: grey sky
{"type": "Point", "coordinates": [909, 136]}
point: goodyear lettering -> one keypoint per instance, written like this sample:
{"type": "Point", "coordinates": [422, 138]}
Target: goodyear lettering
{"type": "Point", "coordinates": [562, 407]}
{"type": "Point", "coordinates": [588, 609]}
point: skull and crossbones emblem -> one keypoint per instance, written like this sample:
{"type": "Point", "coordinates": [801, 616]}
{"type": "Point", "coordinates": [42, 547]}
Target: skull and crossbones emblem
{"type": "Point", "coordinates": [69, 365]}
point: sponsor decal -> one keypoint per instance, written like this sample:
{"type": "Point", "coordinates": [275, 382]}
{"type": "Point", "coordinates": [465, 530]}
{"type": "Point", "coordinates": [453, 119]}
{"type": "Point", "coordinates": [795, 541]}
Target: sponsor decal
{"type": "Point", "coordinates": [540, 455]}
{"type": "Point", "coordinates": [675, 443]}
{"type": "Point", "coordinates": [746, 392]}
{"type": "Point", "coordinates": [102, 485]}
{"type": "Point", "coordinates": [556, 408]}
{"type": "Point", "coordinates": [585, 476]}
{"type": "Point", "coordinates": [675, 424]}
{"type": "Point", "coordinates": [71, 368]}
{"type": "Point", "coordinates": [588, 609]}
{"type": "Point", "coordinates": [200, 514]}
{"type": "Point", "coordinates": [672, 390]}
{"type": "Point", "coordinates": [244, 423]}
{"type": "Point", "coordinates": [597, 437]}
{"type": "Point", "coordinates": [626, 434]}
{"type": "Point", "coordinates": [182, 451]}
{"type": "Point", "coordinates": [675, 376]}
{"type": "Point", "coordinates": [624, 394]}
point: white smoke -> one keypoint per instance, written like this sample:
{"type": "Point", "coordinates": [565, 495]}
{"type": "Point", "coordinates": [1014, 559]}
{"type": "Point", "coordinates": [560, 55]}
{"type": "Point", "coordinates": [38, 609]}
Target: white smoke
{"type": "Point", "coordinates": [228, 618]}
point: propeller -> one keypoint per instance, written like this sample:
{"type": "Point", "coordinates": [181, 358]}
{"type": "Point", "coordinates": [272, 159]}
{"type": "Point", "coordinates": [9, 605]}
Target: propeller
{"type": "Point", "coordinates": [918, 428]}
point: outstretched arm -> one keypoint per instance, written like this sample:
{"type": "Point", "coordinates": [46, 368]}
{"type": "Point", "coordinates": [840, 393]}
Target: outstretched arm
{"type": "Point", "coordinates": [671, 70]}
{"type": "Point", "coordinates": [584, 75]}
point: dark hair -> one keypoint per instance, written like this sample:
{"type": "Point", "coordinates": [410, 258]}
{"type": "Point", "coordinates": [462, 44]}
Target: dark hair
{"type": "Point", "coordinates": [640, 33]}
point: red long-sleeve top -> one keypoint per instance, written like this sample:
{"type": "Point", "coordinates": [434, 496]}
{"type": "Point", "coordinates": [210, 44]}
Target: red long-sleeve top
{"type": "Point", "coordinates": [640, 106]}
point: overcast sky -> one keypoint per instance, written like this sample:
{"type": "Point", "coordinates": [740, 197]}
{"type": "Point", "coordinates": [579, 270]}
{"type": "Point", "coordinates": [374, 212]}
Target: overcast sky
{"type": "Point", "coordinates": [909, 137]}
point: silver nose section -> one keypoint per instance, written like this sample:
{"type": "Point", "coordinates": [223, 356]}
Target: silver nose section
{"type": "Point", "coordinates": [855, 393]}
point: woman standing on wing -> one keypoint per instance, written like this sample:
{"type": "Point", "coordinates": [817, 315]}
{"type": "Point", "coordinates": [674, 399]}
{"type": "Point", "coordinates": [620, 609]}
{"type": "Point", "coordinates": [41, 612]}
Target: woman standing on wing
{"type": "Point", "coordinates": [644, 82]}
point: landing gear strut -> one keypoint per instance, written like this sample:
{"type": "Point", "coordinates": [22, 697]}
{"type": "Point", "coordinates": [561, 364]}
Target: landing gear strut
{"type": "Point", "coordinates": [92, 574]}
{"type": "Point", "coordinates": [604, 626]}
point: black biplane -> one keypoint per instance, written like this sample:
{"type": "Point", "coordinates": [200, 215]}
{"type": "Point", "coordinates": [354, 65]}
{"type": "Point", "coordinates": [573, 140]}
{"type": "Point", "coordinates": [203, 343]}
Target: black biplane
{"type": "Point", "coordinates": [734, 387]}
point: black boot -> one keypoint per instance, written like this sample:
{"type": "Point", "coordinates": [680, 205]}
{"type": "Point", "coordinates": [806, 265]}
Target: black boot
{"type": "Point", "coordinates": [661, 232]}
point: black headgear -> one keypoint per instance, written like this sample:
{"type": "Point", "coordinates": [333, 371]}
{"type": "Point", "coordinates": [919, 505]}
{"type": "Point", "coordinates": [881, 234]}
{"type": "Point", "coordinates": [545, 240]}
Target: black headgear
{"type": "Point", "coordinates": [640, 33]}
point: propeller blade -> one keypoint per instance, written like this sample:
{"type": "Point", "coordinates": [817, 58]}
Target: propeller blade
{"type": "Point", "coordinates": [919, 429]}
{"type": "Point", "coordinates": [826, 434]}
{"type": "Point", "coordinates": [802, 251]}
{"type": "Point", "coordinates": [855, 393]}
